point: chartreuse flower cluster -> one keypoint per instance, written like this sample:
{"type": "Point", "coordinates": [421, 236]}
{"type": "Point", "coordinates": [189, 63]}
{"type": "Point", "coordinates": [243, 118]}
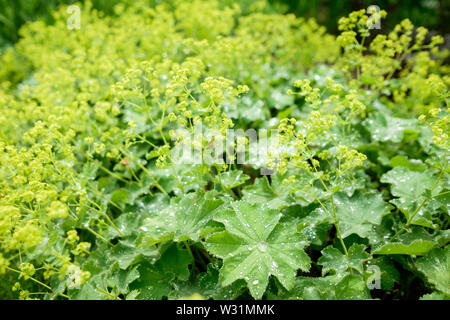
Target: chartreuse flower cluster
{"type": "Point", "coordinates": [353, 199]}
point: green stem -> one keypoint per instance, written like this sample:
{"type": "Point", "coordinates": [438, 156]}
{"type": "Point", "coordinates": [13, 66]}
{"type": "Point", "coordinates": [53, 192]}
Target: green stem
{"type": "Point", "coordinates": [114, 174]}
{"type": "Point", "coordinates": [98, 235]}
{"type": "Point", "coordinates": [63, 295]}
{"type": "Point", "coordinates": [441, 194]}
{"type": "Point", "coordinates": [31, 278]}
{"type": "Point", "coordinates": [107, 294]}
{"type": "Point", "coordinates": [104, 215]}
{"type": "Point", "coordinates": [336, 225]}
{"type": "Point", "coordinates": [154, 180]}
{"type": "Point", "coordinates": [338, 231]}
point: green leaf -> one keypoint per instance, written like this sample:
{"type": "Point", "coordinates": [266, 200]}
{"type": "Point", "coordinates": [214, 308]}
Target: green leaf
{"type": "Point", "coordinates": [352, 287]}
{"type": "Point", "coordinates": [349, 287]}
{"type": "Point", "coordinates": [207, 284]}
{"type": "Point", "coordinates": [88, 291]}
{"type": "Point", "coordinates": [153, 284]}
{"type": "Point", "coordinates": [410, 187]}
{"type": "Point", "coordinates": [157, 281]}
{"type": "Point", "coordinates": [383, 127]}
{"type": "Point", "coordinates": [310, 288]}
{"type": "Point", "coordinates": [184, 219]}
{"type": "Point", "coordinates": [435, 296]}
{"type": "Point", "coordinates": [170, 179]}
{"type": "Point", "coordinates": [255, 245]}
{"type": "Point", "coordinates": [232, 179]}
{"type": "Point", "coordinates": [314, 225]}
{"type": "Point", "coordinates": [415, 247]}
{"type": "Point", "coordinates": [407, 184]}
{"type": "Point", "coordinates": [127, 223]}
{"type": "Point", "coordinates": [436, 267]}
{"type": "Point", "coordinates": [401, 161]}
{"type": "Point", "coordinates": [334, 260]}
{"type": "Point", "coordinates": [210, 287]}
{"type": "Point", "coordinates": [417, 242]}
{"type": "Point", "coordinates": [350, 186]}
{"type": "Point", "coordinates": [120, 196]}
{"type": "Point", "coordinates": [262, 192]}
{"type": "Point", "coordinates": [278, 195]}
{"type": "Point", "coordinates": [359, 213]}
{"type": "Point", "coordinates": [90, 169]}
{"type": "Point", "coordinates": [122, 278]}
{"type": "Point", "coordinates": [132, 295]}
{"type": "Point", "coordinates": [175, 261]}
{"type": "Point", "coordinates": [389, 273]}
{"type": "Point", "coordinates": [126, 254]}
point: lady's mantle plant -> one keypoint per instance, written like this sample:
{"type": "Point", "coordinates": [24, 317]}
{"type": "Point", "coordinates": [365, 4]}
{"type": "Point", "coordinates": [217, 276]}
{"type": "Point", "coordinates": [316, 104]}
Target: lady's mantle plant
{"type": "Point", "coordinates": [93, 205]}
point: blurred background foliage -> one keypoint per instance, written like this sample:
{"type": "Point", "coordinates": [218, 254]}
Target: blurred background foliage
{"type": "Point", "coordinates": [14, 13]}
{"type": "Point", "coordinates": [433, 14]}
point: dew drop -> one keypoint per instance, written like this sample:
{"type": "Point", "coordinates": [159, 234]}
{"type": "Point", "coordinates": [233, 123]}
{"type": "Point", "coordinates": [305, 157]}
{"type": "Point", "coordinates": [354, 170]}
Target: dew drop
{"type": "Point", "coordinates": [262, 246]}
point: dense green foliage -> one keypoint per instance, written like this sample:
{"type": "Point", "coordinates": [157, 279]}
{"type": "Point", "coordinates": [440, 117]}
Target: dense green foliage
{"type": "Point", "coordinates": [13, 14]}
{"type": "Point", "coordinates": [93, 206]}
{"type": "Point", "coordinates": [431, 13]}
{"type": "Point", "coordinates": [434, 14]}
